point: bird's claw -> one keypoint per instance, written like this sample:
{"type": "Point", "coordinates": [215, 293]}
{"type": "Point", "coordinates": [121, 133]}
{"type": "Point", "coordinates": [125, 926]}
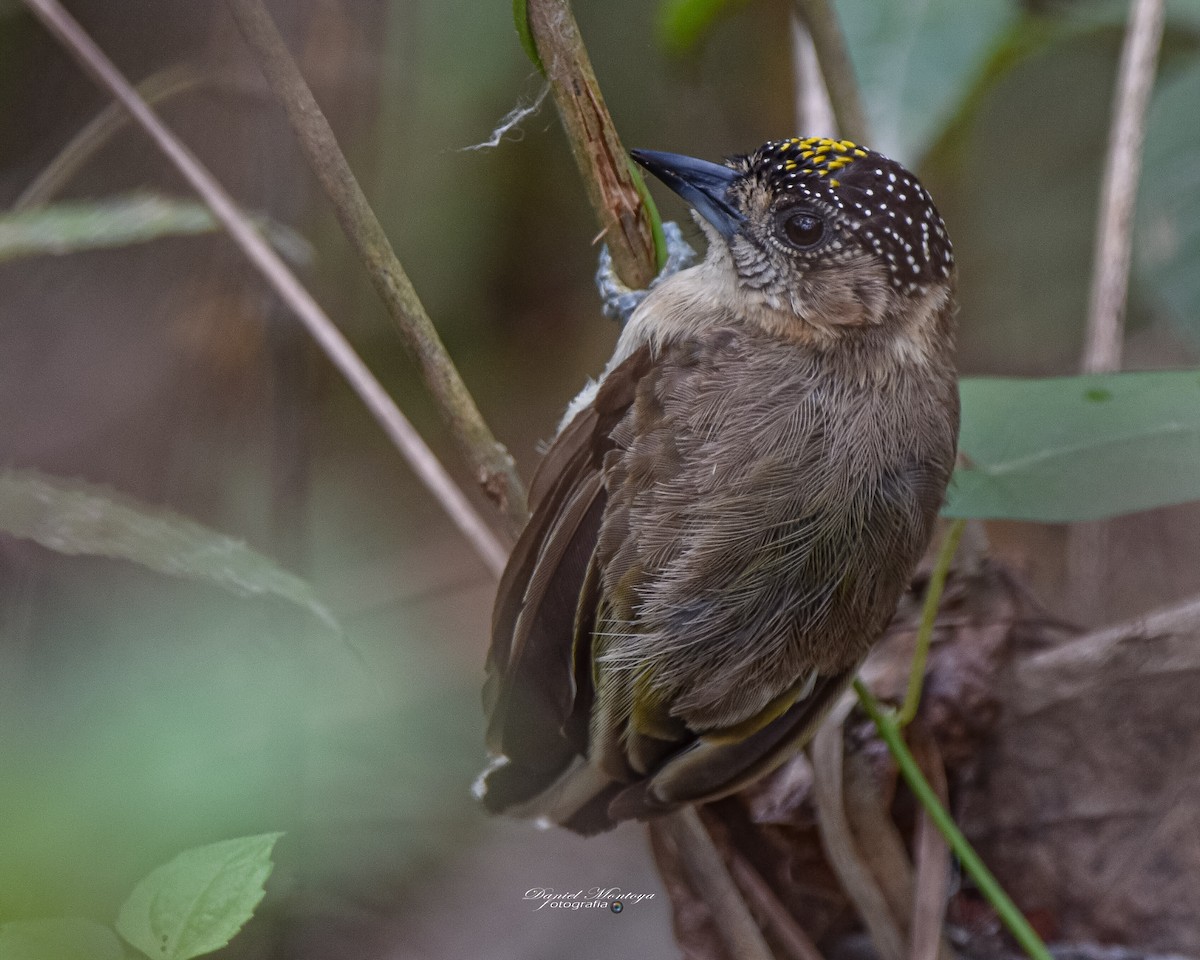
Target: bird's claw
{"type": "Point", "coordinates": [618, 301]}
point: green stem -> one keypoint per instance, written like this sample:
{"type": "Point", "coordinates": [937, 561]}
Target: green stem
{"type": "Point", "coordinates": [521, 22]}
{"type": "Point", "coordinates": [890, 730]}
{"type": "Point", "coordinates": [656, 227]}
{"type": "Point", "coordinates": [933, 596]}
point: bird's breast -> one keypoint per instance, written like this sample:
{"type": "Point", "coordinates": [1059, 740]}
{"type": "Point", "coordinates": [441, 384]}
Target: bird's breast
{"type": "Point", "coordinates": [771, 504]}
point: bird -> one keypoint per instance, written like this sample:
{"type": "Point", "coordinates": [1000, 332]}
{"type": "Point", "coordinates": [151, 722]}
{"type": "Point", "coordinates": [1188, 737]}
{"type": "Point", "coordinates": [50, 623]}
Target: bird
{"type": "Point", "coordinates": [730, 513]}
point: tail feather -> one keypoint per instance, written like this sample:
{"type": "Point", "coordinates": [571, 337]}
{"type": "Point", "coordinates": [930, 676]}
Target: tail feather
{"type": "Point", "coordinates": [576, 798]}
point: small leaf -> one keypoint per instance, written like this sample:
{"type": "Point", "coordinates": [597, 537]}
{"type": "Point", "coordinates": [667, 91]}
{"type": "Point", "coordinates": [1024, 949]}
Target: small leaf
{"type": "Point", "coordinates": [197, 903]}
{"type": "Point", "coordinates": [64, 938]}
{"type": "Point", "coordinates": [1066, 449]}
{"type": "Point", "coordinates": [73, 517]}
{"type": "Point", "coordinates": [117, 222]}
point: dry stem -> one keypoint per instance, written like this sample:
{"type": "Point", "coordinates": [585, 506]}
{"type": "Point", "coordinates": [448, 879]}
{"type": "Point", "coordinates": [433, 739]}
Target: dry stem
{"type": "Point", "coordinates": [1088, 548]}
{"type": "Point", "coordinates": [837, 839]}
{"type": "Point", "coordinates": [707, 875]}
{"type": "Point", "coordinates": [291, 291]}
{"type": "Point", "coordinates": [492, 464]}
{"type": "Point", "coordinates": [1110, 271]}
{"type": "Point", "coordinates": [602, 160]}
{"type": "Point", "coordinates": [834, 57]}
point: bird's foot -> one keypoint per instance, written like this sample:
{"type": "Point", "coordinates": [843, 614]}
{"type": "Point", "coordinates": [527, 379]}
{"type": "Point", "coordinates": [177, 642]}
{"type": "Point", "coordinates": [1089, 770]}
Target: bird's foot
{"type": "Point", "coordinates": [618, 301]}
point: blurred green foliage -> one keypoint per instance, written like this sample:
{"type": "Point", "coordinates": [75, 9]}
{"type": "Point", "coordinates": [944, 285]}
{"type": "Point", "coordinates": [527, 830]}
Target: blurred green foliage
{"type": "Point", "coordinates": [67, 938]}
{"type": "Point", "coordinates": [916, 61]}
{"type": "Point", "coordinates": [682, 23]}
{"type": "Point", "coordinates": [72, 517]}
{"type": "Point", "coordinates": [71, 227]}
{"type": "Point", "coordinates": [1168, 220]}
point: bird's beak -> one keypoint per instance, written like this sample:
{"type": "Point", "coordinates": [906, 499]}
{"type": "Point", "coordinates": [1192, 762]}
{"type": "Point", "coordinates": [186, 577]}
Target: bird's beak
{"type": "Point", "coordinates": [702, 184]}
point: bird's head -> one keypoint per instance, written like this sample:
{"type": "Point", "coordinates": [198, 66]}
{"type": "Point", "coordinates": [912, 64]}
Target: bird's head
{"type": "Point", "coordinates": [823, 232]}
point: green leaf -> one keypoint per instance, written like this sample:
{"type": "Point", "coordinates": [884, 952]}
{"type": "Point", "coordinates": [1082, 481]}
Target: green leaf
{"type": "Point", "coordinates": [197, 903]}
{"type": "Point", "coordinates": [915, 60]}
{"type": "Point", "coordinates": [73, 517]}
{"type": "Point", "coordinates": [528, 44]}
{"type": "Point", "coordinates": [1067, 449]}
{"type": "Point", "coordinates": [1168, 216]}
{"type": "Point", "coordinates": [683, 23]}
{"type": "Point", "coordinates": [65, 938]}
{"type": "Point", "coordinates": [117, 222]}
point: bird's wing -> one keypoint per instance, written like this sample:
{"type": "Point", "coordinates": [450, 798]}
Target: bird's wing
{"type": "Point", "coordinates": [544, 602]}
{"type": "Point", "coordinates": [708, 767]}
{"type": "Point", "coordinates": [716, 548]}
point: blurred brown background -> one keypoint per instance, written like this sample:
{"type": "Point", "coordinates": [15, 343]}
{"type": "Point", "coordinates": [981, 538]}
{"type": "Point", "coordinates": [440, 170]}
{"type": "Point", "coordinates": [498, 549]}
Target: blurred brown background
{"type": "Point", "coordinates": [142, 715]}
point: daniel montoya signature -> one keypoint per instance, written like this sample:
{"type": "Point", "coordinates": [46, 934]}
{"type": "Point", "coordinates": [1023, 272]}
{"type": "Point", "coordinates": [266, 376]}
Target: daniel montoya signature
{"type": "Point", "coordinates": [613, 899]}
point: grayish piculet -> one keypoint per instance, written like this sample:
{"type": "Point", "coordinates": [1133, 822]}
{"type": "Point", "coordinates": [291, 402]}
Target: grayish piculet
{"type": "Point", "coordinates": [726, 520]}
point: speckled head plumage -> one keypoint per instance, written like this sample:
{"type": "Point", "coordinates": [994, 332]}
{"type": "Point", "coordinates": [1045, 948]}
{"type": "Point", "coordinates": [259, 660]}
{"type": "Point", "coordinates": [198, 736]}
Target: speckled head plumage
{"type": "Point", "coordinates": [871, 201]}
{"type": "Point", "coordinates": [824, 231]}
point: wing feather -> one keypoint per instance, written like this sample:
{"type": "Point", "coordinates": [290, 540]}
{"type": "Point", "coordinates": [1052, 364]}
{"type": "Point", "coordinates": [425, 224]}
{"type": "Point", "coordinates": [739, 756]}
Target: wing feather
{"type": "Point", "coordinates": [540, 652]}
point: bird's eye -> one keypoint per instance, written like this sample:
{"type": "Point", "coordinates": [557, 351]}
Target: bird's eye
{"type": "Point", "coordinates": [802, 229]}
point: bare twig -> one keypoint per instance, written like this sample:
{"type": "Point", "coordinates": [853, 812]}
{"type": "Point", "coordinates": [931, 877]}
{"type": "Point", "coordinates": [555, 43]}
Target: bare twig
{"type": "Point", "coordinates": [615, 189]}
{"type": "Point", "coordinates": [929, 610]}
{"type": "Point", "coordinates": [876, 838]}
{"type": "Point", "coordinates": [1110, 269]}
{"type": "Point", "coordinates": [492, 464]}
{"type": "Point", "coordinates": [284, 282]}
{"type": "Point", "coordinates": [838, 840]}
{"type": "Point", "coordinates": [1096, 648]}
{"type": "Point", "coordinates": [814, 112]}
{"type": "Point", "coordinates": [931, 857]}
{"type": "Point", "coordinates": [789, 935]}
{"type": "Point", "coordinates": [1088, 547]}
{"type": "Point", "coordinates": [834, 57]}
{"type": "Point", "coordinates": [100, 129]}
{"type": "Point", "coordinates": [707, 875]}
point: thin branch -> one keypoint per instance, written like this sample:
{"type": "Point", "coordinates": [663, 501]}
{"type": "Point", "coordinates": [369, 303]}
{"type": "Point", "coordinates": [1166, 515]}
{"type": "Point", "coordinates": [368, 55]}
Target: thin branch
{"type": "Point", "coordinates": [615, 188]}
{"type": "Point", "coordinates": [1088, 548]}
{"type": "Point", "coordinates": [707, 875]}
{"type": "Point", "coordinates": [1110, 270]}
{"type": "Point", "coordinates": [837, 839]}
{"type": "Point", "coordinates": [985, 880]}
{"type": "Point", "coordinates": [284, 282]}
{"type": "Point", "coordinates": [814, 112]}
{"type": "Point", "coordinates": [834, 57]}
{"type": "Point", "coordinates": [99, 131]}
{"type": "Point", "coordinates": [491, 463]}
{"type": "Point", "coordinates": [788, 934]}
{"type": "Point", "coordinates": [875, 835]}
{"type": "Point", "coordinates": [931, 858]}
{"type": "Point", "coordinates": [933, 597]}
{"type": "Point", "coordinates": [1096, 648]}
